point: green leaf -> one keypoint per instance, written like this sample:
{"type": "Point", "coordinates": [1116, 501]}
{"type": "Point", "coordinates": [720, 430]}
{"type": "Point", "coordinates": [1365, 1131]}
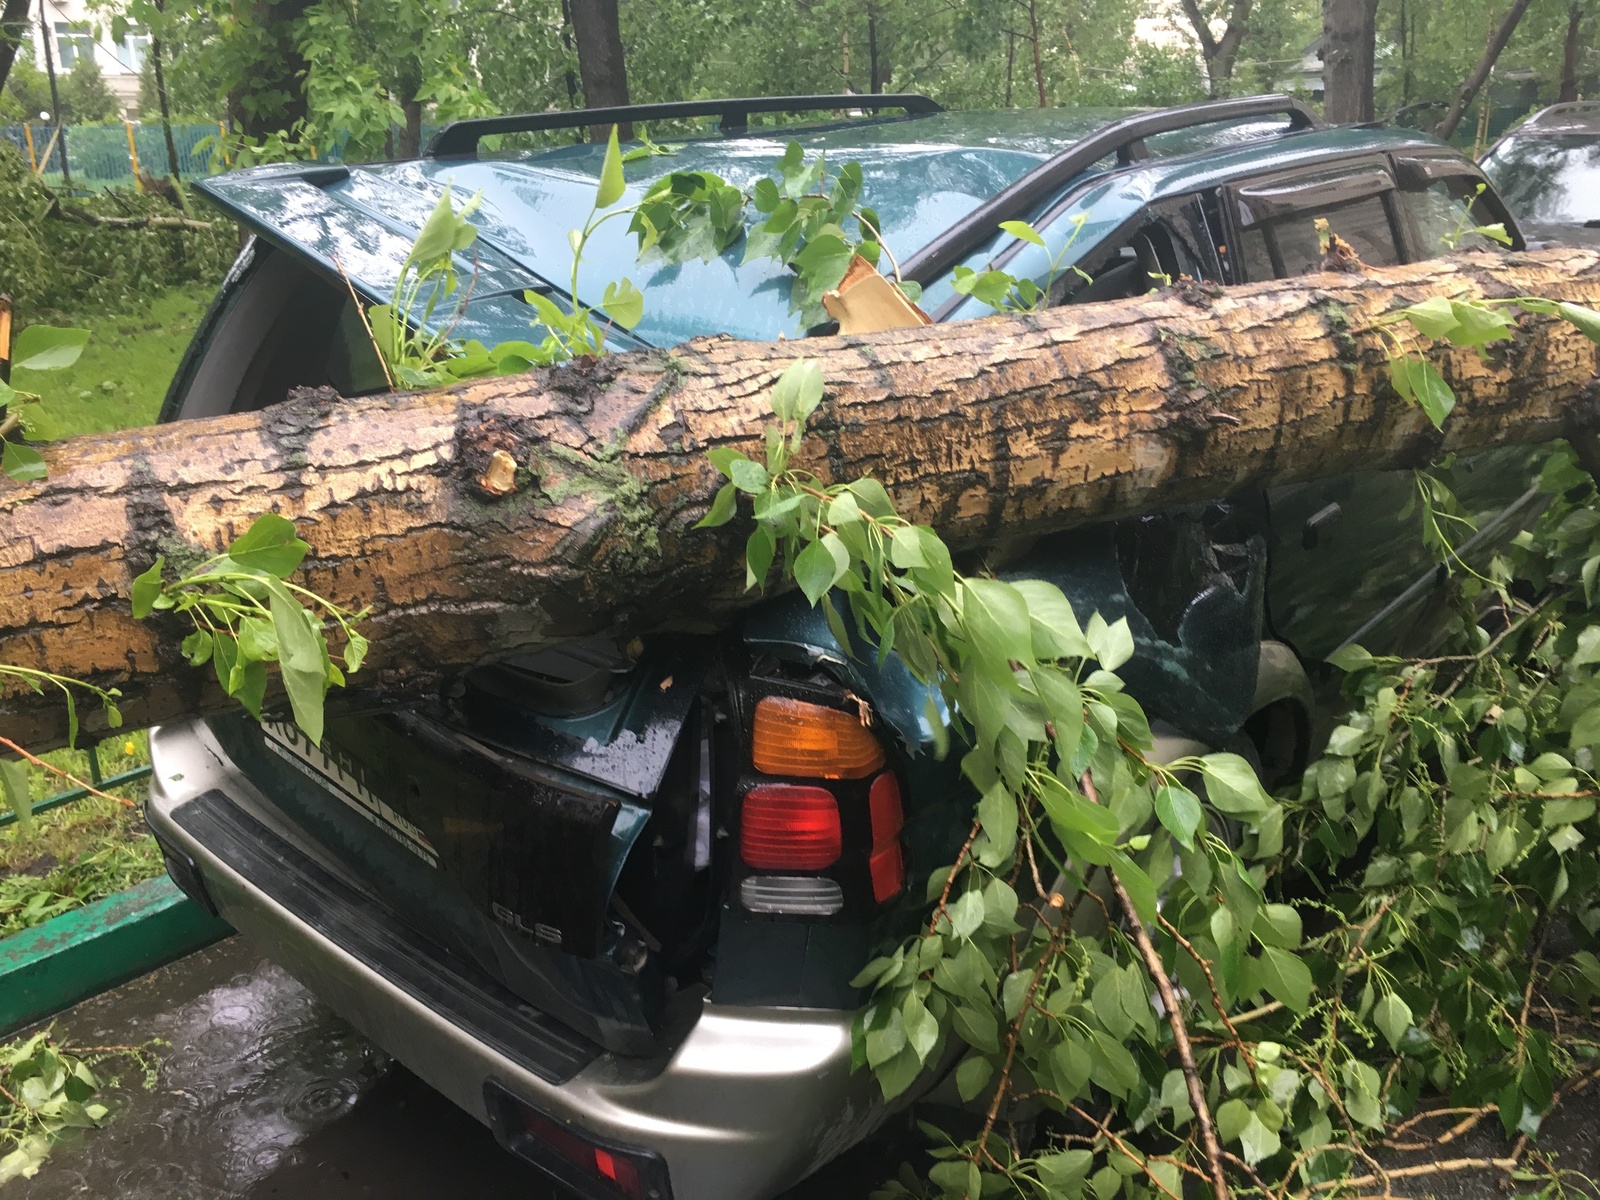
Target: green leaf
{"type": "Point", "coordinates": [22, 463]}
{"type": "Point", "coordinates": [1232, 785]}
{"type": "Point", "coordinates": [300, 660]}
{"type": "Point", "coordinates": [44, 348]}
{"type": "Point", "coordinates": [1477, 324]}
{"type": "Point", "coordinates": [922, 1030]}
{"type": "Point", "coordinates": [1107, 1001]}
{"type": "Point", "coordinates": [1566, 812]}
{"type": "Point", "coordinates": [906, 547]}
{"type": "Point", "coordinates": [14, 783]}
{"type": "Point", "coordinates": [1112, 644]}
{"type": "Point", "coordinates": [722, 508]}
{"type": "Point", "coordinates": [1586, 319]}
{"type": "Point", "coordinates": [1116, 1070]}
{"type": "Point", "coordinates": [1056, 633]}
{"type": "Point", "coordinates": [798, 391]}
{"type": "Point", "coordinates": [996, 620]}
{"type": "Point", "coordinates": [1178, 809]}
{"type": "Point", "coordinates": [759, 550]}
{"type": "Point", "coordinates": [197, 647]}
{"type": "Point", "coordinates": [612, 184]}
{"type": "Point", "coordinates": [972, 1075]}
{"type": "Point", "coordinates": [147, 588]}
{"type": "Point", "coordinates": [1021, 229]}
{"type": "Point", "coordinates": [820, 565]}
{"type": "Point", "coordinates": [1280, 927]}
{"type": "Point", "coordinates": [1392, 1016]}
{"type": "Point", "coordinates": [748, 475]}
{"type": "Point", "coordinates": [623, 303]}
{"type": "Point", "coordinates": [1257, 1141]}
{"type": "Point", "coordinates": [1435, 317]}
{"type": "Point", "coordinates": [1432, 392]}
{"type": "Point", "coordinates": [977, 1027]}
{"type": "Point", "coordinates": [1286, 977]}
{"type": "Point", "coordinates": [270, 546]}
{"type": "Point", "coordinates": [1350, 658]}
{"type": "Point", "coordinates": [997, 814]}
{"type": "Point", "coordinates": [1231, 1117]}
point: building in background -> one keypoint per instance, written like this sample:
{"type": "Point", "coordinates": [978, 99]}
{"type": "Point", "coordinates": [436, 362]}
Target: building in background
{"type": "Point", "coordinates": [77, 32]}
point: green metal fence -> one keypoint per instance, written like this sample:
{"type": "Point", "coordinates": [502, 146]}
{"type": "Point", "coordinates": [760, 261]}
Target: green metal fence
{"type": "Point", "coordinates": [106, 155]}
{"type": "Point", "coordinates": [98, 780]}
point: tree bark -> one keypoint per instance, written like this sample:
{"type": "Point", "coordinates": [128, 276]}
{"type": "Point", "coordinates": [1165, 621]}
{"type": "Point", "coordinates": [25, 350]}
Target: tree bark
{"type": "Point", "coordinates": [1219, 53]}
{"type": "Point", "coordinates": [602, 66]}
{"type": "Point", "coordinates": [411, 135]}
{"type": "Point", "coordinates": [1001, 428]}
{"type": "Point", "coordinates": [13, 28]}
{"type": "Point", "coordinates": [1480, 73]}
{"type": "Point", "coordinates": [1571, 49]}
{"type": "Point", "coordinates": [1349, 40]}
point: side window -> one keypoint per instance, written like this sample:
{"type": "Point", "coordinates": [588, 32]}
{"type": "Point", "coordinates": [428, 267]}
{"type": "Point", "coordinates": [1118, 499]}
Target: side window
{"type": "Point", "coordinates": [1276, 218]}
{"type": "Point", "coordinates": [1444, 216]}
{"type": "Point", "coordinates": [1289, 245]}
{"type": "Point", "coordinates": [1171, 242]}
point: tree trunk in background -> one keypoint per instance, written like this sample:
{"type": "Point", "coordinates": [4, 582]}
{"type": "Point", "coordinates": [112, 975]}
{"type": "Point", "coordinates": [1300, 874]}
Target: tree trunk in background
{"type": "Point", "coordinates": [272, 96]}
{"type": "Point", "coordinates": [597, 28]}
{"type": "Point", "coordinates": [1004, 428]}
{"type": "Point", "coordinates": [1480, 73]}
{"type": "Point", "coordinates": [13, 28]}
{"type": "Point", "coordinates": [1038, 59]}
{"type": "Point", "coordinates": [1220, 53]}
{"type": "Point", "coordinates": [411, 136]}
{"type": "Point", "coordinates": [161, 97]}
{"type": "Point", "coordinates": [1571, 49]}
{"type": "Point", "coordinates": [1349, 39]}
{"type": "Point", "coordinates": [875, 71]}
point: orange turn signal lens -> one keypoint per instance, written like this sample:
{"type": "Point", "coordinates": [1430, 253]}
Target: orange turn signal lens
{"type": "Point", "coordinates": [795, 738]}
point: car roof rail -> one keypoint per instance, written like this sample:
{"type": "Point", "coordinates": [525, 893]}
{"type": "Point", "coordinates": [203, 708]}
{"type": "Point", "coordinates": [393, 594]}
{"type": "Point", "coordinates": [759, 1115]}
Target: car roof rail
{"type": "Point", "coordinates": [1124, 138]}
{"type": "Point", "coordinates": [459, 139]}
{"type": "Point", "coordinates": [1560, 114]}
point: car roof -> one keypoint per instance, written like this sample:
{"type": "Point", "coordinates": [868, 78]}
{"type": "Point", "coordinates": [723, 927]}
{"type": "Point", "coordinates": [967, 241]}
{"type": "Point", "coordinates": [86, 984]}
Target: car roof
{"type": "Point", "coordinates": [922, 174]}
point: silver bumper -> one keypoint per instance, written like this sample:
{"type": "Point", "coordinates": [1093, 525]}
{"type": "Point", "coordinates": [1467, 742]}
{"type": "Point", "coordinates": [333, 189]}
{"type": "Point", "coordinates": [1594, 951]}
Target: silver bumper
{"type": "Point", "coordinates": [749, 1101]}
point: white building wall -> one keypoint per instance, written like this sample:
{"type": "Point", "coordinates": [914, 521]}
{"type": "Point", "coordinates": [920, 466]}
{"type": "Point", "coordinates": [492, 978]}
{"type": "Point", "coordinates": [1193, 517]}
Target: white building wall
{"type": "Point", "coordinates": [75, 31]}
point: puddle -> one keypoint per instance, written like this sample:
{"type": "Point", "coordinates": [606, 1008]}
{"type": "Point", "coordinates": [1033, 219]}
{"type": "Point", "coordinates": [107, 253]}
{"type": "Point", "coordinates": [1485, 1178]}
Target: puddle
{"type": "Point", "coordinates": [255, 1066]}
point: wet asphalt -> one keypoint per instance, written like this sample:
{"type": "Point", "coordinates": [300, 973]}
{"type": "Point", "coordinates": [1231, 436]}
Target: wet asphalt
{"type": "Point", "coordinates": [262, 1093]}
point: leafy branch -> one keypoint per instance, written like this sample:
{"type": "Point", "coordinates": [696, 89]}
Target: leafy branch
{"type": "Point", "coordinates": [246, 614]}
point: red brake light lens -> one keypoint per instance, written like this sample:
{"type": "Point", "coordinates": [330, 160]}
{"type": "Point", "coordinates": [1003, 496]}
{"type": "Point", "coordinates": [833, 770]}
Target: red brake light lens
{"type": "Point", "coordinates": [887, 863]}
{"type": "Point", "coordinates": [788, 828]}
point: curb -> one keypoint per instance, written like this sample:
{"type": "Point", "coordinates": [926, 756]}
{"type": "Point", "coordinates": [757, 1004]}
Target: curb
{"type": "Point", "coordinates": [94, 948]}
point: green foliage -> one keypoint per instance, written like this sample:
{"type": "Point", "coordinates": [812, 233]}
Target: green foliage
{"type": "Point", "coordinates": [1383, 930]}
{"type": "Point", "coordinates": [48, 263]}
{"type": "Point", "coordinates": [1003, 291]}
{"type": "Point", "coordinates": [37, 348]}
{"type": "Point", "coordinates": [49, 1089]}
{"type": "Point", "coordinates": [85, 98]}
{"type": "Point", "coordinates": [246, 615]}
{"type": "Point", "coordinates": [1056, 754]}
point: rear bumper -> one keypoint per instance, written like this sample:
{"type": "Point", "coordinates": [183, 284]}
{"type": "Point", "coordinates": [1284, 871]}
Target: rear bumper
{"type": "Point", "coordinates": [747, 1101]}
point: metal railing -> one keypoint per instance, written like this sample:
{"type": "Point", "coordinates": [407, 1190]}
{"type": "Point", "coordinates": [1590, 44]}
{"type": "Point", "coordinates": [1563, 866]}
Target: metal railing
{"type": "Point", "coordinates": [97, 779]}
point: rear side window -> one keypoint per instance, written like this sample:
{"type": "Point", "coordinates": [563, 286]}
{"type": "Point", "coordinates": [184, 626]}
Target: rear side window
{"type": "Point", "coordinates": [1277, 219]}
{"type": "Point", "coordinates": [1290, 246]}
{"type": "Point", "coordinates": [1445, 215]}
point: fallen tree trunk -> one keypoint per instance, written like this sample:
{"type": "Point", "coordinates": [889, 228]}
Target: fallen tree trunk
{"type": "Point", "coordinates": [986, 429]}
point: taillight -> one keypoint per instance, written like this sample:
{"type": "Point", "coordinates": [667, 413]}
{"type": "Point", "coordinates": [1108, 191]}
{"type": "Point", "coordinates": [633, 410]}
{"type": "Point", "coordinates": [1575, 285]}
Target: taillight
{"type": "Point", "coordinates": [787, 828]}
{"type": "Point", "coordinates": [887, 864]}
{"type": "Point", "coordinates": [573, 1157]}
{"type": "Point", "coordinates": [792, 737]}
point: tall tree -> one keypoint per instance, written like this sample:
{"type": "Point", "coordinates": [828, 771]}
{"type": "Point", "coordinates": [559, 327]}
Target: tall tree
{"type": "Point", "coordinates": [1571, 48]}
{"type": "Point", "coordinates": [602, 65]}
{"type": "Point", "coordinates": [1349, 47]}
{"type": "Point", "coordinates": [13, 29]}
{"type": "Point", "coordinates": [1480, 73]}
{"type": "Point", "coordinates": [1220, 53]}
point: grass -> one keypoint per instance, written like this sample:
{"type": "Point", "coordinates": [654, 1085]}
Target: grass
{"type": "Point", "coordinates": [92, 848]}
{"type": "Point", "coordinates": [123, 373]}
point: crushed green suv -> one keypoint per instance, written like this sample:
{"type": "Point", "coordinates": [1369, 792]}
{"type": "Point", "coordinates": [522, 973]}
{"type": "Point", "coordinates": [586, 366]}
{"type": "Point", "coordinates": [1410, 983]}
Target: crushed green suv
{"type": "Point", "coordinates": [610, 898]}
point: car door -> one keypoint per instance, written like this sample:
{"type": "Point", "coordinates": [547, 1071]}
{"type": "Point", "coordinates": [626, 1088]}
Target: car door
{"type": "Point", "coordinates": [1347, 559]}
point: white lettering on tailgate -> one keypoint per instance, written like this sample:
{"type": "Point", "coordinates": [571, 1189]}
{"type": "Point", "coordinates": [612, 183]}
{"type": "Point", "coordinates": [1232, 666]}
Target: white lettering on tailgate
{"type": "Point", "coordinates": [338, 773]}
